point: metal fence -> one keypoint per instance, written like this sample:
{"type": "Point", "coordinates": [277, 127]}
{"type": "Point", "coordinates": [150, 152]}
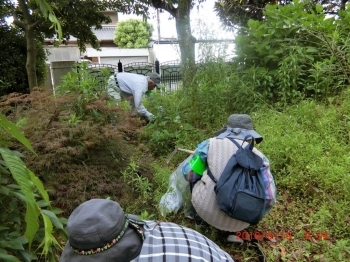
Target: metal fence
{"type": "Point", "coordinates": [170, 72]}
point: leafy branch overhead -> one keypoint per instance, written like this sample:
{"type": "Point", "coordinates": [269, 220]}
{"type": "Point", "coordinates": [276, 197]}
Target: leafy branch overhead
{"type": "Point", "coordinates": [235, 13]}
{"type": "Point", "coordinates": [62, 19]}
{"type": "Point", "coordinates": [133, 33]}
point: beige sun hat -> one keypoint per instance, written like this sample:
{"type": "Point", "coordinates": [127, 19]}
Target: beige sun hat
{"type": "Point", "coordinates": [203, 195]}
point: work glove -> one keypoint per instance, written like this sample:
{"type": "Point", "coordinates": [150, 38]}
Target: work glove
{"type": "Point", "coordinates": [151, 118]}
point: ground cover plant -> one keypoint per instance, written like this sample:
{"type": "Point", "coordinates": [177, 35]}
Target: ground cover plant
{"type": "Point", "coordinates": [307, 146]}
{"type": "Point", "coordinates": [96, 155]}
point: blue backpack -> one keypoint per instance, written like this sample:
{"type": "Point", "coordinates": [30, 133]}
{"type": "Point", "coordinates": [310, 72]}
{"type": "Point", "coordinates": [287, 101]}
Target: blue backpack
{"type": "Point", "coordinates": [240, 190]}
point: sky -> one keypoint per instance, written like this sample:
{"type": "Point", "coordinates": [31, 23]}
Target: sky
{"type": "Point", "coordinates": [204, 24]}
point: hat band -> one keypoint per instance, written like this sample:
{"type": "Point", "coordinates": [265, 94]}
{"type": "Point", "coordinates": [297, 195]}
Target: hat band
{"type": "Point", "coordinates": [128, 221]}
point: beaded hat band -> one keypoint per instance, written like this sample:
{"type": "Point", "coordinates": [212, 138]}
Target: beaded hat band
{"type": "Point", "coordinates": [128, 222]}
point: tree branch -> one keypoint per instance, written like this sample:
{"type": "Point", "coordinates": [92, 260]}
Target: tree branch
{"type": "Point", "coordinates": [25, 10]}
{"type": "Point", "coordinates": [162, 5]}
{"type": "Point", "coordinates": [17, 22]}
{"type": "Point", "coordinates": [37, 22]}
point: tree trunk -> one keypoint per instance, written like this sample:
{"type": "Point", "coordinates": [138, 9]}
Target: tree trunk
{"type": "Point", "coordinates": [186, 41]}
{"type": "Point", "coordinates": [28, 25]}
{"type": "Point", "coordinates": [31, 58]}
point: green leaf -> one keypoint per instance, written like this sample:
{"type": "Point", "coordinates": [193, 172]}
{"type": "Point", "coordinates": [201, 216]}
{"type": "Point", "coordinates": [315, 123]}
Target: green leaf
{"type": "Point", "coordinates": [13, 244]}
{"type": "Point", "coordinates": [39, 185]}
{"type": "Point", "coordinates": [48, 240]}
{"type": "Point", "coordinates": [21, 174]}
{"type": "Point", "coordinates": [56, 222]}
{"type": "Point", "coordinates": [187, 127]}
{"type": "Point", "coordinates": [14, 131]}
{"type": "Point", "coordinates": [42, 203]}
{"type": "Point", "coordinates": [27, 256]}
{"type": "Point", "coordinates": [311, 50]}
{"type": "Point", "coordinates": [8, 258]}
{"type": "Point", "coordinates": [319, 8]}
{"type": "Point", "coordinates": [3, 228]}
{"type": "Point", "coordinates": [4, 190]}
{"type": "Point", "coordinates": [3, 170]}
{"type": "Point", "coordinates": [20, 196]}
{"type": "Point", "coordinates": [56, 210]}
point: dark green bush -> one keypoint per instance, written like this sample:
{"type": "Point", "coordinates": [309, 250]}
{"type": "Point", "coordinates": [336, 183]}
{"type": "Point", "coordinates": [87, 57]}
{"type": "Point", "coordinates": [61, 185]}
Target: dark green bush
{"type": "Point", "coordinates": [13, 53]}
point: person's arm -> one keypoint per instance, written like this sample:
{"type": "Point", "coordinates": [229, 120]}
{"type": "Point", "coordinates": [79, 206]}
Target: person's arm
{"type": "Point", "coordinates": [202, 151]}
{"type": "Point", "coordinates": [144, 112]}
{"type": "Point", "coordinates": [138, 92]}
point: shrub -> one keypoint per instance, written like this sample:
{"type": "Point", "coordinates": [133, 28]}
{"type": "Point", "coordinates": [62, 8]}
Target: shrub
{"type": "Point", "coordinates": [133, 33]}
{"type": "Point", "coordinates": [28, 222]}
{"type": "Point", "coordinates": [302, 52]}
{"type": "Point", "coordinates": [13, 53]}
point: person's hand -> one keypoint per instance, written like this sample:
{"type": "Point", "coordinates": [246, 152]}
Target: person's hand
{"type": "Point", "coordinates": [151, 118]}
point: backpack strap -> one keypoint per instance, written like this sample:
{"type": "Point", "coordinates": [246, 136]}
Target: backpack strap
{"type": "Point", "coordinates": [210, 174]}
{"type": "Point", "coordinates": [235, 142]}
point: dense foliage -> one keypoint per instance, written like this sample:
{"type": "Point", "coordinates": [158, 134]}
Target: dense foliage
{"type": "Point", "coordinates": [13, 53]}
{"type": "Point", "coordinates": [236, 13]}
{"type": "Point", "coordinates": [35, 19]}
{"type": "Point", "coordinates": [295, 53]}
{"type": "Point", "coordinates": [133, 33]}
{"type": "Point", "coordinates": [28, 222]}
{"type": "Point", "coordinates": [289, 74]}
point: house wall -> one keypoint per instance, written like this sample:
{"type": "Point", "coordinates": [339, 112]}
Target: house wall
{"type": "Point", "coordinates": [113, 15]}
{"type": "Point", "coordinates": [112, 55]}
{"type": "Point", "coordinates": [63, 53]}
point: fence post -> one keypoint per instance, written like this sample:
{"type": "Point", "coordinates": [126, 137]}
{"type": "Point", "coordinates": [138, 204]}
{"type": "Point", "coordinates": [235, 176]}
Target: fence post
{"type": "Point", "coordinates": [59, 69]}
{"type": "Point", "coordinates": [120, 67]}
{"type": "Point", "coordinates": [157, 66]}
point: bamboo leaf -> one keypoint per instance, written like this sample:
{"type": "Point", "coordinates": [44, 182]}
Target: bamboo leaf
{"type": "Point", "coordinates": [14, 131]}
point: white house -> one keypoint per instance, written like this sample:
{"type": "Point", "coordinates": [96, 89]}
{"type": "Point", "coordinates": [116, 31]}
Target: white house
{"type": "Point", "coordinates": [109, 53]}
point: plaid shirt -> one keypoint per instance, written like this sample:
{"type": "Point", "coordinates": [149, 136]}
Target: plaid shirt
{"type": "Point", "coordinates": [169, 242]}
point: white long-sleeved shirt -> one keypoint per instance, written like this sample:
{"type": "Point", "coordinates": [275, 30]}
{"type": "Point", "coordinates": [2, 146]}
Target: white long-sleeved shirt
{"type": "Point", "coordinates": [135, 85]}
{"type": "Point", "coordinates": [112, 88]}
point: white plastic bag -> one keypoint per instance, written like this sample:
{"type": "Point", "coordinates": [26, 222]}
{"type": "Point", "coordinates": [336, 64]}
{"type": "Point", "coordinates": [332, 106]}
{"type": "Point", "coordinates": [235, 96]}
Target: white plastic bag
{"type": "Point", "coordinates": [178, 194]}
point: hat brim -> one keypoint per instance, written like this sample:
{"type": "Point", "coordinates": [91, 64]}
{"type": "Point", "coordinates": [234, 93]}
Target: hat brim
{"type": "Point", "coordinates": [127, 248]}
{"type": "Point", "coordinates": [242, 134]}
{"type": "Point", "coordinates": [258, 138]}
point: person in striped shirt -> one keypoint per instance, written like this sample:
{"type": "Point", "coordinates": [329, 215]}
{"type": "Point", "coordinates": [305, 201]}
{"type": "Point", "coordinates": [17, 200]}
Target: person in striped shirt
{"type": "Point", "coordinates": [100, 231]}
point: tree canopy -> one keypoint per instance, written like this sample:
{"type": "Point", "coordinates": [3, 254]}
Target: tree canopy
{"type": "Point", "coordinates": [236, 13]}
{"type": "Point", "coordinates": [76, 18]}
{"type": "Point", "coordinates": [133, 33]}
